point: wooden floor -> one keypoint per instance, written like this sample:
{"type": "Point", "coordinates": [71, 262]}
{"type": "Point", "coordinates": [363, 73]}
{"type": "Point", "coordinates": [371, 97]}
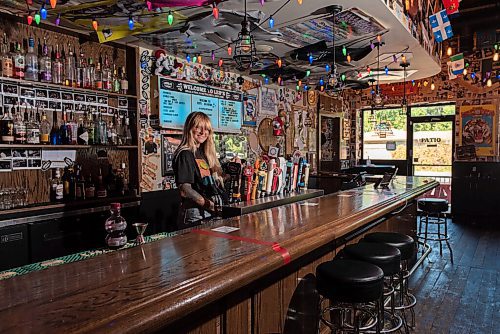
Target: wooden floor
{"type": "Point", "coordinates": [463, 297]}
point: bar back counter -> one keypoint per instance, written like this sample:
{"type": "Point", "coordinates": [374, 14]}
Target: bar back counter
{"type": "Point", "coordinates": [206, 281]}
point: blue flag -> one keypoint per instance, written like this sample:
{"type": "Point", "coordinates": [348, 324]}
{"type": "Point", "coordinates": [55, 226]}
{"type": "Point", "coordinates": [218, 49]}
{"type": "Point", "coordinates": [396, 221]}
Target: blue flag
{"type": "Point", "coordinates": [441, 26]}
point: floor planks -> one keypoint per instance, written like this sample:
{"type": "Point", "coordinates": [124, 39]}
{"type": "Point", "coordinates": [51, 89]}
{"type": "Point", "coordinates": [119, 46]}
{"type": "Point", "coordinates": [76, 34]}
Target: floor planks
{"type": "Point", "coordinates": [463, 297]}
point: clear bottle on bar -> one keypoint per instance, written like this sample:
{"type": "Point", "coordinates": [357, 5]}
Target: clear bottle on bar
{"type": "Point", "coordinates": [45, 64]}
{"type": "Point", "coordinates": [7, 127]}
{"type": "Point", "coordinates": [32, 129]}
{"type": "Point", "coordinates": [107, 76]}
{"type": "Point", "coordinates": [19, 126]}
{"type": "Point", "coordinates": [57, 68]}
{"type": "Point", "coordinates": [31, 69]}
{"type": "Point", "coordinates": [80, 183]}
{"type": "Point", "coordinates": [7, 65]}
{"type": "Point", "coordinates": [115, 226]}
{"type": "Point", "coordinates": [70, 69]}
{"type": "Point", "coordinates": [44, 129]}
{"type": "Point", "coordinates": [123, 82]}
{"type": "Point", "coordinates": [116, 80]}
{"type": "Point", "coordinates": [19, 62]}
{"type": "Point", "coordinates": [89, 188]}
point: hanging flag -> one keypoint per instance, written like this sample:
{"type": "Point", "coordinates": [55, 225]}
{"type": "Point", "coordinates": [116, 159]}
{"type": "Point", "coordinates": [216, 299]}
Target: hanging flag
{"type": "Point", "coordinates": [457, 64]}
{"type": "Point", "coordinates": [451, 6]}
{"type": "Point", "coordinates": [441, 26]}
{"type": "Point", "coordinates": [451, 76]}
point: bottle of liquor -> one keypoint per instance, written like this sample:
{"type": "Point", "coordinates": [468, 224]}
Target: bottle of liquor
{"type": "Point", "coordinates": [124, 82]}
{"type": "Point", "coordinates": [19, 62]}
{"type": "Point", "coordinates": [120, 180]}
{"type": "Point", "coordinates": [19, 126]}
{"type": "Point", "coordinates": [7, 63]}
{"type": "Point", "coordinates": [98, 77]}
{"type": "Point", "coordinates": [115, 226]}
{"type": "Point", "coordinates": [81, 71]}
{"type": "Point", "coordinates": [70, 69]}
{"type": "Point", "coordinates": [56, 187]}
{"type": "Point", "coordinates": [66, 182]}
{"type": "Point", "coordinates": [32, 129]}
{"type": "Point", "coordinates": [97, 130]}
{"type": "Point", "coordinates": [116, 80]}
{"type": "Point", "coordinates": [64, 131]}
{"type": "Point", "coordinates": [127, 134]}
{"type": "Point", "coordinates": [90, 188]}
{"type": "Point", "coordinates": [55, 135]}
{"type": "Point", "coordinates": [101, 188]}
{"type": "Point", "coordinates": [74, 128]}
{"type": "Point", "coordinates": [57, 68]}
{"type": "Point", "coordinates": [107, 76]}
{"type": "Point", "coordinates": [31, 69]}
{"type": "Point", "coordinates": [7, 127]}
{"type": "Point", "coordinates": [82, 135]}
{"type": "Point", "coordinates": [45, 64]}
{"type": "Point", "coordinates": [111, 132]}
{"type": "Point", "coordinates": [110, 181]}
{"type": "Point", "coordinates": [90, 128]}
{"type": "Point", "coordinates": [90, 75]}
{"type": "Point", "coordinates": [80, 183]}
{"type": "Point", "coordinates": [44, 129]}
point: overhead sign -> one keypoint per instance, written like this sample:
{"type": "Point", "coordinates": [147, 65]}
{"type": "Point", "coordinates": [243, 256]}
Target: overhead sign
{"type": "Point", "coordinates": [178, 99]}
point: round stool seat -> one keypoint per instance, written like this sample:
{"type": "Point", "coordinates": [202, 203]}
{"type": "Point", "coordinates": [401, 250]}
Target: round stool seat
{"type": "Point", "coordinates": [386, 257]}
{"type": "Point", "coordinates": [403, 242]}
{"type": "Point", "coordinates": [432, 205]}
{"type": "Point", "coordinates": [350, 281]}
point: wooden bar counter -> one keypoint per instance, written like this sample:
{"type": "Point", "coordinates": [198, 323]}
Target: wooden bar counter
{"type": "Point", "coordinates": [202, 281]}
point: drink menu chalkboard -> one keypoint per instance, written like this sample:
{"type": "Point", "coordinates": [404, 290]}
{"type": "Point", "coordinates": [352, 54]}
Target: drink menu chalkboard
{"type": "Point", "coordinates": [178, 99]}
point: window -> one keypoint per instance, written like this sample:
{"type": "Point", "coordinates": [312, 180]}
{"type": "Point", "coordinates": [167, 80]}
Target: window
{"type": "Point", "coordinates": [439, 110]}
{"type": "Point", "coordinates": [384, 134]}
{"type": "Point", "coordinates": [233, 144]}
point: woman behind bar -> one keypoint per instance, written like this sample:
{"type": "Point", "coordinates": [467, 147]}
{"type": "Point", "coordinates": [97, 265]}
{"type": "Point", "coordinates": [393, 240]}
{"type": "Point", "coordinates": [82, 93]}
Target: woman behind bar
{"type": "Point", "coordinates": [197, 172]}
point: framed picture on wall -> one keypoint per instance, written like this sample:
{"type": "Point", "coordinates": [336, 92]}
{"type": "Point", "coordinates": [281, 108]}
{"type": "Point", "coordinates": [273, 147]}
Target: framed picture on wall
{"type": "Point", "coordinates": [329, 143]}
{"type": "Point", "coordinates": [168, 146]}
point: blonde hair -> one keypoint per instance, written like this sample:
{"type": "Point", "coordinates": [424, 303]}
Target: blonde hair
{"type": "Point", "coordinates": [199, 120]}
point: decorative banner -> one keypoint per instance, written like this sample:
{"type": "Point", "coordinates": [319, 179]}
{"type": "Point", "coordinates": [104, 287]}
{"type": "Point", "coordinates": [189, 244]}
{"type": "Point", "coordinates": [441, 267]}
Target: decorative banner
{"type": "Point", "coordinates": [478, 128]}
{"type": "Point", "coordinates": [250, 110]}
{"type": "Point", "coordinates": [451, 6]}
{"type": "Point", "coordinates": [441, 26]}
{"type": "Point", "coordinates": [456, 66]}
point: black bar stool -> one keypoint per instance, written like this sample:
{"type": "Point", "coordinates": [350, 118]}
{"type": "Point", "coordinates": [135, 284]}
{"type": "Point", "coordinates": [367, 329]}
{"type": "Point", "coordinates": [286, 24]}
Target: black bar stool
{"type": "Point", "coordinates": [388, 258]}
{"type": "Point", "coordinates": [350, 286]}
{"type": "Point", "coordinates": [434, 213]}
{"type": "Point", "coordinates": [407, 247]}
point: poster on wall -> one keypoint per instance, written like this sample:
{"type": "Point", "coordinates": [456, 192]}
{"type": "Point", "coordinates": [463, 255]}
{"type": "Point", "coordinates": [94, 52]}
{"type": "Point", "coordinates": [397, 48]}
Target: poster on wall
{"type": "Point", "coordinates": [168, 147]}
{"type": "Point", "coordinates": [250, 110]}
{"type": "Point", "coordinates": [478, 128]}
{"type": "Point", "coordinates": [326, 138]}
{"type": "Point", "coordinates": [268, 102]}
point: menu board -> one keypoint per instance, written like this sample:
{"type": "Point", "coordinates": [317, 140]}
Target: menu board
{"type": "Point", "coordinates": [178, 99]}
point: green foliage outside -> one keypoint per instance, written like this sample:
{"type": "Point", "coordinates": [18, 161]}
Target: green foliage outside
{"type": "Point", "coordinates": [234, 143]}
{"type": "Point", "coordinates": [390, 116]}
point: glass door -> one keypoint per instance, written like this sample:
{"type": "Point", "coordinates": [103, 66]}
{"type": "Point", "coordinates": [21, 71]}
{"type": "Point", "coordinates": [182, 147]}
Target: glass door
{"type": "Point", "coordinates": [432, 148]}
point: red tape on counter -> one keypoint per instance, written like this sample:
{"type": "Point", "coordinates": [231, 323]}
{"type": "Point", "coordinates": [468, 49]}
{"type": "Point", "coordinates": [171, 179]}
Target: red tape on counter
{"type": "Point", "coordinates": [274, 245]}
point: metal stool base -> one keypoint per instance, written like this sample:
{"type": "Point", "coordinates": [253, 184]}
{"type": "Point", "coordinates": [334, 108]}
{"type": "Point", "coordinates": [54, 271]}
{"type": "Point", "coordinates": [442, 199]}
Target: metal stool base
{"type": "Point", "coordinates": [347, 315]}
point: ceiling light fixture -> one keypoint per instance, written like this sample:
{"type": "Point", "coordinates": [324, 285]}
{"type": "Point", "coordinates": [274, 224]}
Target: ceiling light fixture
{"type": "Point", "coordinates": [29, 18]}
{"type": "Point", "coordinates": [245, 52]}
{"type": "Point", "coordinates": [215, 11]}
{"type": "Point", "coordinates": [53, 3]}
{"type": "Point", "coordinates": [43, 12]}
{"type": "Point", "coordinates": [449, 51]}
{"type": "Point", "coordinates": [495, 56]}
{"type": "Point", "coordinates": [170, 18]}
{"type": "Point", "coordinates": [404, 102]}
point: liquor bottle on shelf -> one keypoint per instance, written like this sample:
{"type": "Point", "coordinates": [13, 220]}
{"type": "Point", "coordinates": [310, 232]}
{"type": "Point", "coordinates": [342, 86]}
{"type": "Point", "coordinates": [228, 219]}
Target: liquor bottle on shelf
{"type": "Point", "coordinates": [98, 77]}
{"type": "Point", "coordinates": [74, 128]}
{"type": "Point", "coordinates": [7, 127]}
{"type": "Point", "coordinates": [116, 80]}
{"type": "Point", "coordinates": [39, 49]}
{"type": "Point", "coordinates": [90, 75]}
{"type": "Point", "coordinates": [120, 140]}
{"type": "Point", "coordinates": [79, 183]}
{"type": "Point", "coordinates": [89, 188]}
{"type": "Point", "coordinates": [19, 126]}
{"type": "Point", "coordinates": [81, 71]}
{"type": "Point", "coordinates": [126, 131]}
{"type": "Point", "coordinates": [19, 62]}
{"type": "Point", "coordinates": [120, 180]}
{"type": "Point", "coordinates": [115, 226]}
{"type": "Point", "coordinates": [44, 129]}
{"type": "Point", "coordinates": [55, 135]}
{"type": "Point", "coordinates": [110, 181]}
{"type": "Point", "coordinates": [56, 187]}
{"type": "Point", "coordinates": [90, 127]}
{"type": "Point", "coordinates": [107, 76]}
{"type": "Point", "coordinates": [111, 132]}
{"type": "Point", "coordinates": [32, 129]}
{"type": "Point", "coordinates": [57, 68]}
{"type": "Point", "coordinates": [64, 132]}
{"type": "Point", "coordinates": [82, 134]}
{"type": "Point", "coordinates": [101, 188]}
{"type": "Point", "coordinates": [31, 69]}
{"type": "Point", "coordinates": [124, 82]}
{"type": "Point", "coordinates": [103, 134]}
{"type": "Point", "coordinates": [45, 64]}
{"type": "Point", "coordinates": [70, 69]}
{"type": "Point", "coordinates": [7, 65]}
{"type": "Point", "coordinates": [67, 182]}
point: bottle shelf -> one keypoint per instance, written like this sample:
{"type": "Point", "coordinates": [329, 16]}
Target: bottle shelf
{"type": "Point", "coordinates": [64, 147]}
{"type": "Point", "coordinates": [37, 84]}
